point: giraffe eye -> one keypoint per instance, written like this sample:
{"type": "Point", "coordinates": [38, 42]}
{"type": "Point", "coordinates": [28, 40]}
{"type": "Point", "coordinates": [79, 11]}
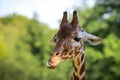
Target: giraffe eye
{"type": "Point", "coordinates": [55, 40]}
{"type": "Point", "coordinates": [77, 39]}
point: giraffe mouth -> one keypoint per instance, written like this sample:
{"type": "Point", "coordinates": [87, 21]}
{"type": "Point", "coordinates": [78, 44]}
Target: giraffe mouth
{"type": "Point", "coordinates": [53, 62]}
{"type": "Point", "coordinates": [50, 66]}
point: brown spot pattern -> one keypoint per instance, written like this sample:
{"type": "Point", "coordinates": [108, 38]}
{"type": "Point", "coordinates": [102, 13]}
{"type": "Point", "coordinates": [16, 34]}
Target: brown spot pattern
{"type": "Point", "coordinates": [75, 77]}
{"type": "Point", "coordinates": [74, 67]}
{"type": "Point", "coordinates": [83, 78]}
{"type": "Point", "coordinates": [78, 61]}
{"type": "Point", "coordinates": [66, 57]}
{"type": "Point", "coordinates": [76, 64]}
{"type": "Point", "coordinates": [71, 57]}
{"type": "Point", "coordinates": [82, 68]}
{"type": "Point", "coordinates": [71, 52]}
{"type": "Point", "coordinates": [77, 53]}
{"type": "Point", "coordinates": [82, 57]}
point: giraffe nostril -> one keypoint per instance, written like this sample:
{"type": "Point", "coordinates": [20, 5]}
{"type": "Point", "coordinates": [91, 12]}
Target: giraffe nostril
{"type": "Point", "coordinates": [57, 53]}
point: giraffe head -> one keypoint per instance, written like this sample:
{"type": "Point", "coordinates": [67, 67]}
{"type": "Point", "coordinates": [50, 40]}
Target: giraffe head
{"type": "Point", "coordinates": [69, 41]}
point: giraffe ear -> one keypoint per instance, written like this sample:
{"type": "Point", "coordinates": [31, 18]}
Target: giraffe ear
{"type": "Point", "coordinates": [64, 19]}
{"type": "Point", "coordinates": [74, 22]}
{"type": "Point", "coordinates": [93, 40]}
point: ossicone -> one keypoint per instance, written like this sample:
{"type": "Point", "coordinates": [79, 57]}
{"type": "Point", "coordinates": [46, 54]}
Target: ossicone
{"type": "Point", "coordinates": [74, 22]}
{"type": "Point", "coordinates": [64, 19]}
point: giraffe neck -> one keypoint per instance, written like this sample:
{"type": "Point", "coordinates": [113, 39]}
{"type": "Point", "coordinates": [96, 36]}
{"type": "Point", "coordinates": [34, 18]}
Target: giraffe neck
{"type": "Point", "coordinates": [79, 67]}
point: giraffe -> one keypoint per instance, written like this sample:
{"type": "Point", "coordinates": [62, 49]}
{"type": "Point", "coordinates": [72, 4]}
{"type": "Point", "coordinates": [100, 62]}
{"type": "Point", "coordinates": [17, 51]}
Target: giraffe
{"type": "Point", "coordinates": [69, 45]}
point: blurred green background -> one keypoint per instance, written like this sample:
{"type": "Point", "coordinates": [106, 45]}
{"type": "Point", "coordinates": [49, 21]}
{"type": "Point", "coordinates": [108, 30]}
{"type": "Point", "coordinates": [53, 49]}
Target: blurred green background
{"type": "Point", "coordinates": [25, 48]}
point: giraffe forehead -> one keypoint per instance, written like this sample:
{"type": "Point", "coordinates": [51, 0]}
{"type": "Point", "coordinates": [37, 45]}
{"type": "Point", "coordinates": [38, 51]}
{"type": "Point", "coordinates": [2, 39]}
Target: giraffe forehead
{"type": "Point", "coordinates": [66, 31]}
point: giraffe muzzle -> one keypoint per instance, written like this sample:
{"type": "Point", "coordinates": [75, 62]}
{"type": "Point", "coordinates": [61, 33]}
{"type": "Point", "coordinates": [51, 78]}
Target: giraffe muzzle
{"type": "Point", "coordinates": [50, 65]}
{"type": "Point", "coordinates": [53, 62]}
